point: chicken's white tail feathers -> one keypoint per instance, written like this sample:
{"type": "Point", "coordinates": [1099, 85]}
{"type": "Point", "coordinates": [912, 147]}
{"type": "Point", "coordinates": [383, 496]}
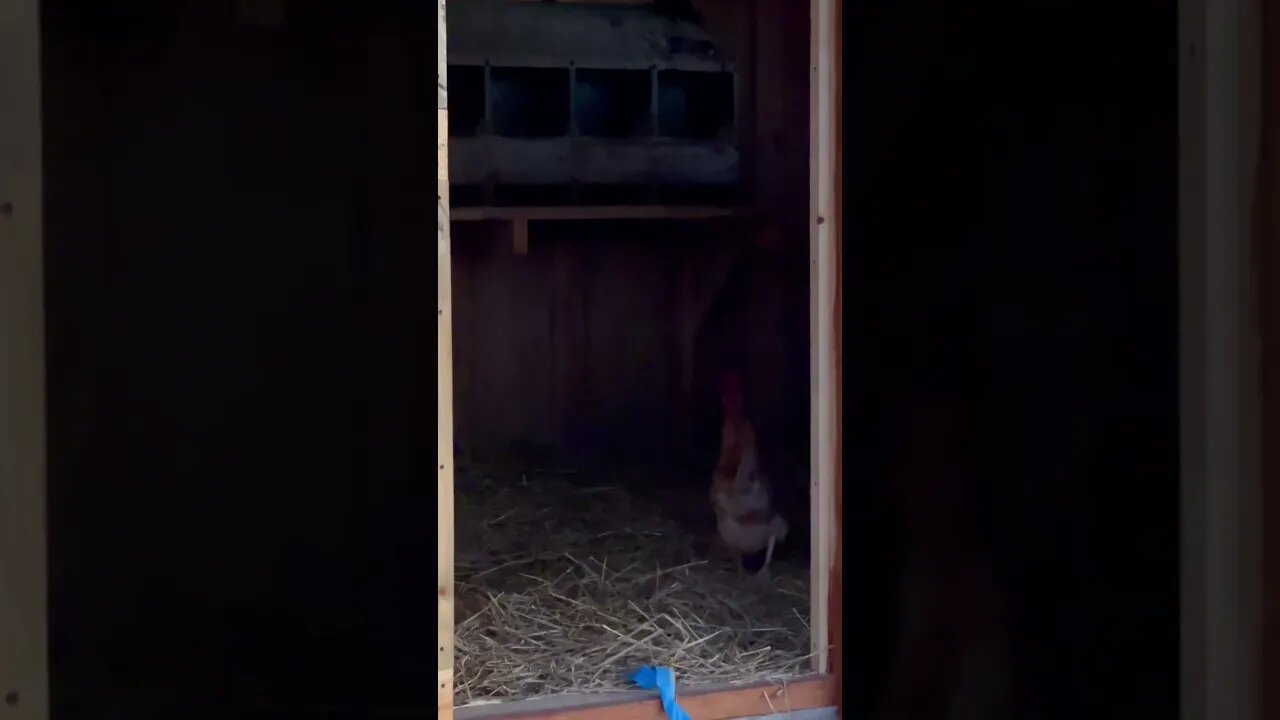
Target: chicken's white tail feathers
{"type": "Point", "coordinates": [778, 528]}
{"type": "Point", "coordinates": [768, 553]}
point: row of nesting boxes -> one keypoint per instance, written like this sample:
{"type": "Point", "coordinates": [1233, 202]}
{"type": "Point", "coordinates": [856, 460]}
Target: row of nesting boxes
{"type": "Point", "coordinates": [546, 95]}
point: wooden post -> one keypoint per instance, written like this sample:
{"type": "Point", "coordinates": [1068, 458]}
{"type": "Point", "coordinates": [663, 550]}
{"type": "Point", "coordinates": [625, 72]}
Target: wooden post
{"type": "Point", "coordinates": [835, 593]}
{"type": "Point", "coordinates": [1266, 245]}
{"type": "Point", "coordinates": [520, 236]}
{"type": "Point", "coordinates": [24, 675]}
{"type": "Point", "coordinates": [1221, 552]}
{"type": "Point", "coordinates": [824, 273]}
{"type": "Point", "coordinates": [444, 392]}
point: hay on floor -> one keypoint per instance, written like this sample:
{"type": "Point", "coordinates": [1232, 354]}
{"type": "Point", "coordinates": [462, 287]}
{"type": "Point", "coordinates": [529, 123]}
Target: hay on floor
{"type": "Point", "coordinates": [566, 588]}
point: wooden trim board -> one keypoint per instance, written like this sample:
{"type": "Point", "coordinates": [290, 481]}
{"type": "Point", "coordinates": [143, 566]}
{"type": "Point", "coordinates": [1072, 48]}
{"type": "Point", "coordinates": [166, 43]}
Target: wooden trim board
{"type": "Point", "coordinates": [835, 599]}
{"type": "Point", "coordinates": [824, 273]}
{"type": "Point", "coordinates": [720, 704]}
{"type": "Point", "coordinates": [1266, 248]}
{"type": "Point", "coordinates": [24, 673]}
{"type": "Point", "coordinates": [444, 395]}
{"type": "Point", "coordinates": [709, 704]}
{"type": "Point", "coordinates": [1218, 354]}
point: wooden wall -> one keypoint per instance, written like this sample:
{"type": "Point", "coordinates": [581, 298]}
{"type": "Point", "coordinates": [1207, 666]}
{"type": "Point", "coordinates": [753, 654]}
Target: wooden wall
{"type": "Point", "coordinates": [584, 344]}
{"type": "Point", "coordinates": [233, 333]}
{"type": "Point", "coordinates": [606, 339]}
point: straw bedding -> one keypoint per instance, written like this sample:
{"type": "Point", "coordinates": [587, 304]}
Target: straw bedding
{"type": "Point", "coordinates": [562, 587]}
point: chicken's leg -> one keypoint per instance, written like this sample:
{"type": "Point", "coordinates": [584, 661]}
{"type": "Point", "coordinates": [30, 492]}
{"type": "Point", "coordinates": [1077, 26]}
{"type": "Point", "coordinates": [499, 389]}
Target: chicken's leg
{"type": "Point", "coordinates": [768, 555]}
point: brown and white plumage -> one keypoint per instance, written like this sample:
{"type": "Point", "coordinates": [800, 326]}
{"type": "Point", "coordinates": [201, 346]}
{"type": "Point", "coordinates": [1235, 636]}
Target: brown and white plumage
{"type": "Point", "coordinates": [740, 492]}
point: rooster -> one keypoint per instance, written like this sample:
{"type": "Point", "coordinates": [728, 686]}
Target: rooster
{"type": "Point", "coordinates": [740, 492]}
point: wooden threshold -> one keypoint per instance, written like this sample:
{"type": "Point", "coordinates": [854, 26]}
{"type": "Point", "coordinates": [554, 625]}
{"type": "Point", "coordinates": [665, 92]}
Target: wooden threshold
{"type": "Point", "coordinates": [597, 212]}
{"type": "Point", "coordinates": [594, 2]}
{"type": "Point", "coordinates": [718, 703]}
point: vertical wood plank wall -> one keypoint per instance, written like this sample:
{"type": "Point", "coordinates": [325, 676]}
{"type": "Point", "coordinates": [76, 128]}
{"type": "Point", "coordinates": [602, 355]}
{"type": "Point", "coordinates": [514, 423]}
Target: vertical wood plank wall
{"type": "Point", "coordinates": [561, 349]}
{"type": "Point", "coordinates": [24, 678]}
{"type": "Point", "coordinates": [444, 392]}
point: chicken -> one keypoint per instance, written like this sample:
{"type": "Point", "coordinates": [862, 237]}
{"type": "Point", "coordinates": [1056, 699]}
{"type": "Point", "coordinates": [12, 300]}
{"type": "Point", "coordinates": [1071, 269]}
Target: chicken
{"type": "Point", "coordinates": [740, 492]}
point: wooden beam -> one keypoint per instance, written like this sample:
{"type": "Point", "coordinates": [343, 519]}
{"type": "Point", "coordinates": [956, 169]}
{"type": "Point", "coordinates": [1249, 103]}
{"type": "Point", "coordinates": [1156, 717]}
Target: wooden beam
{"type": "Point", "coordinates": [520, 236]}
{"type": "Point", "coordinates": [444, 396]}
{"type": "Point", "coordinates": [743, 702]}
{"type": "Point", "coordinates": [597, 212]}
{"type": "Point", "coordinates": [824, 273]}
{"type": "Point", "coordinates": [563, 160]}
{"type": "Point", "coordinates": [24, 674]}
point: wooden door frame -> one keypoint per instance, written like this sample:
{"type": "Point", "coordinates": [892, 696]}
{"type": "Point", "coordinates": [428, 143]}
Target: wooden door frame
{"type": "Point", "coordinates": [825, 397]}
{"type": "Point", "coordinates": [24, 676]}
{"type": "Point", "coordinates": [825, 276]}
{"type": "Point", "coordinates": [1219, 356]}
{"type": "Point", "coordinates": [444, 388]}
{"type": "Point", "coordinates": [1221, 571]}
{"type": "Point", "coordinates": [1219, 76]}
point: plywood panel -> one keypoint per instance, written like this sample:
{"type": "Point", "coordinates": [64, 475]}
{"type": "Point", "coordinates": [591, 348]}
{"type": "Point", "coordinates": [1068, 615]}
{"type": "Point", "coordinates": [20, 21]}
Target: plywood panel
{"type": "Point", "coordinates": [502, 316]}
{"type": "Point", "coordinates": [210, 393]}
{"type": "Point", "coordinates": [588, 344]}
{"type": "Point", "coordinates": [782, 131]}
{"type": "Point", "coordinates": [627, 345]}
{"type": "Point", "coordinates": [552, 345]}
{"type": "Point", "coordinates": [24, 680]}
{"type": "Point", "coordinates": [201, 350]}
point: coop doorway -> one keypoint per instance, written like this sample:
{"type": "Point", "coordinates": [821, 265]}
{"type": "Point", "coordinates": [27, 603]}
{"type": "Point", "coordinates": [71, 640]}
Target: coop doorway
{"type": "Point", "coordinates": [628, 229]}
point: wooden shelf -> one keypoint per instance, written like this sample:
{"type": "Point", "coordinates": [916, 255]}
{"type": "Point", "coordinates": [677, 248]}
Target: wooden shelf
{"type": "Point", "coordinates": [520, 217]}
{"type": "Point", "coordinates": [597, 212]}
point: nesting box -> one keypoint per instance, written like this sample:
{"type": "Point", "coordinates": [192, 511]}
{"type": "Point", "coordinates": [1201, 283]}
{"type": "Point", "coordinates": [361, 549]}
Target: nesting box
{"type": "Point", "coordinates": [561, 102]}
